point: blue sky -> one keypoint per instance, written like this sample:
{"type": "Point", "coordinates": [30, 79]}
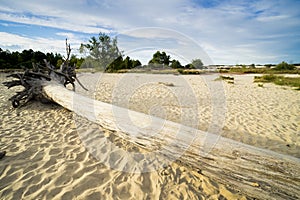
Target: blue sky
{"type": "Point", "coordinates": [218, 32]}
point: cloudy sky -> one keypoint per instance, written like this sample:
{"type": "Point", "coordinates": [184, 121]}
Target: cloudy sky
{"type": "Point", "coordinates": [216, 31]}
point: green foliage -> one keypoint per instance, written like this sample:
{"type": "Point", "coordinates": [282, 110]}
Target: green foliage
{"type": "Point", "coordinates": [104, 54]}
{"type": "Point", "coordinates": [180, 71]}
{"type": "Point", "coordinates": [279, 80]}
{"type": "Point", "coordinates": [117, 64]}
{"type": "Point", "coordinates": [289, 81]}
{"type": "Point", "coordinates": [189, 66]}
{"type": "Point", "coordinates": [265, 78]}
{"type": "Point", "coordinates": [252, 65]}
{"type": "Point", "coordinates": [190, 71]}
{"type": "Point", "coordinates": [74, 61]}
{"type": "Point", "coordinates": [284, 66]}
{"type": "Point", "coordinates": [160, 58]}
{"type": "Point", "coordinates": [197, 64]}
{"type": "Point", "coordinates": [175, 64]}
{"type": "Point", "coordinates": [89, 63]}
{"type": "Point", "coordinates": [120, 64]}
{"type": "Point", "coordinates": [103, 50]}
{"type": "Point", "coordinates": [17, 60]}
{"type": "Point", "coordinates": [136, 63]}
{"type": "Point", "coordinates": [260, 85]}
{"type": "Point", "coordinates": [259, 71]}
{"type": "Point", "coordinates": [226, 78]}
{"type": "Point", "coordinates": [59, 63]}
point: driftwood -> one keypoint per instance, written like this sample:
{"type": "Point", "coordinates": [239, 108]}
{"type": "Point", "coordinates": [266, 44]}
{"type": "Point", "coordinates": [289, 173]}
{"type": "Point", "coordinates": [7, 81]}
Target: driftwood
{"type": "Point", "coordinates": [34, 79]}
{"type": "Point", "coordinates": [258, 173]}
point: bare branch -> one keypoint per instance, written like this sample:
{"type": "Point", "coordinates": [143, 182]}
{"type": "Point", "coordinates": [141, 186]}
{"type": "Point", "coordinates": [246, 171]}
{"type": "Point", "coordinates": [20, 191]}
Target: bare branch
{"type": "Point", "coordinates": [34, 80]}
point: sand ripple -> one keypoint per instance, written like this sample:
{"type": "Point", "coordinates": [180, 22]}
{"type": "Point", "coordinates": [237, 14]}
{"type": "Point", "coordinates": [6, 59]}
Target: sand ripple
{"type": "Point", "coordinates": [46, 159]}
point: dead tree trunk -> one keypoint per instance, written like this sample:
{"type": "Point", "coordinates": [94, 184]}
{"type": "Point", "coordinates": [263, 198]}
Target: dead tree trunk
{"type": "Point", "coordinates": [34, 80]}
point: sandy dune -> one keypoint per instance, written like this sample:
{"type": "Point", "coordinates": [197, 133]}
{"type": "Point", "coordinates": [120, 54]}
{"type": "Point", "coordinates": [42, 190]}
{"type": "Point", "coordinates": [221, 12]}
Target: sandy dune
{"type": "Point", "coordinates": [46, 158]}
{"type": "Point", "coordinates": [266, 117]}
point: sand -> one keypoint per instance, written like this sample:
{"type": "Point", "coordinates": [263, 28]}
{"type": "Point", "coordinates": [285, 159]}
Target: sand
{"type": "Point", "coordinates": [46, 158]}
{"type": "Point", "coordinates": [266, 117]}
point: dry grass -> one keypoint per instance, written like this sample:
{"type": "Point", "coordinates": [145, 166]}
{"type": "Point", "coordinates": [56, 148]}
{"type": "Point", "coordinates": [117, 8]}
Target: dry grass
{"type": "Point", "coordinates": [279, 80]}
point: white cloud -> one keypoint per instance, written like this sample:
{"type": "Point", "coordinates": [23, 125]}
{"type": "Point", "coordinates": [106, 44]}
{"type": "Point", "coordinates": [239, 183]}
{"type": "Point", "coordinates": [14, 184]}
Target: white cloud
{"type": "Point", "coordinates": [70, 36]}
{"type": "Point", "coordinates": [52, 22]}
{"type": "Point", "coordinates": [243, 29]}
{"type": "Point", "coordinates": [16, 42]}
{"type": "Point", "coordinates": [273, 18]}
{"type": "Point", "coordinates": [171, 41]}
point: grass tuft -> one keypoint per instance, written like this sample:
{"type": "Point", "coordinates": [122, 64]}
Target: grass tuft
{"type": "Point", "coordinates": [228, 79]}
{"type": "Point", "coordinates": [279, 80]}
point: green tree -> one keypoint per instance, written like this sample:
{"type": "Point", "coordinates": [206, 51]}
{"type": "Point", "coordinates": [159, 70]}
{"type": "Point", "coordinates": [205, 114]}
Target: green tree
{"type": "Point", "coordinates": [5, 57]}
{"type": "Point", "coordinates": [103, 50]}
{"type": "Point", "coordinates": [119, 64]}
{"type": "Point", "coordinates": [189, 66]}
{"type": "Point", "coordinates": [160, 58]}
{"type": "Point", "coordinates": [268, 65]}
{"type": "Point", "coordinates": [25, 58]}
{"type": "Point", "coordinates": [136, 63]}
{"type": "Point", "coordinates": [284, 66]}
{"type": "Point", "coordinates": [175, 64]}
{"type": "Point", "coordinates": [127, 63]}
{"type": "Point", "coordinates": [197, 63]}
{"type": "Point", "coordinates": [38, 57]}
{"type": "Point", "coordinates": [55, 59]}
{"type": "Point", "coordinates": [116, 65]}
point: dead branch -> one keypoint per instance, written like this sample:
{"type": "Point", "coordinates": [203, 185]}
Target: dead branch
{"type": "Point", "coordinates": [34, 79]}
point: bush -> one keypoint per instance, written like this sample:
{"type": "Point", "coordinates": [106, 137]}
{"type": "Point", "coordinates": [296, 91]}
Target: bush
{"type": "Point", "coordinates": [190, 71]}
{"type": "Point", "coordinates": [284, 66]}
{"type": "Point", "coordinates": [265, 78]}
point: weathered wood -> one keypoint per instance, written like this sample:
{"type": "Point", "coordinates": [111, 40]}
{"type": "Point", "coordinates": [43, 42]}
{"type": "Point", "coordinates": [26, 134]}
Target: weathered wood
{"type": "Point", "coordinates": [32, 79]}
{"type": "Point", "coordinates": [258, 173]}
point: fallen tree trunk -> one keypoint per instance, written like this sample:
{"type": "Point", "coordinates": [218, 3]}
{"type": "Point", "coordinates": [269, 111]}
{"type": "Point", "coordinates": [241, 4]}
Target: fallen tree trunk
{"type": "Point", "coordinates": [258, 173]}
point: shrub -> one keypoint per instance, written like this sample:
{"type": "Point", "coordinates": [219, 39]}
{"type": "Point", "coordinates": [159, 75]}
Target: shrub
{"type": "Point", "coordinates": [265, 78]}
{"type": "Point", "coordinates": [284, 66]}
{"type": "Point", "coordinates": [279, 80]}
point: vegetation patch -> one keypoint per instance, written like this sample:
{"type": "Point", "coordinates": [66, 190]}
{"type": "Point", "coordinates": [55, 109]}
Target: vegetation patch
{"type": "Point", "coordinates": [279, 80]}
{"type": "Point", "coordinates": [260, 85]}
{"type": "Point", "coordinates": [260, 71]}
{"type": "Point", "coordinates": [228, 79]}
{"type": "Point", "coordinates": [191, 71]}
{"type": "Point", "coordinates": [281, 68]}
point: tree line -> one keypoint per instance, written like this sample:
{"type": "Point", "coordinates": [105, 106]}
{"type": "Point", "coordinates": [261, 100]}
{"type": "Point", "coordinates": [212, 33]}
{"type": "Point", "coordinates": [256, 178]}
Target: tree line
{"type": "Point", "coordinates": [102, 54]}
{"type": "Point", "coordinates": [24, 59]}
